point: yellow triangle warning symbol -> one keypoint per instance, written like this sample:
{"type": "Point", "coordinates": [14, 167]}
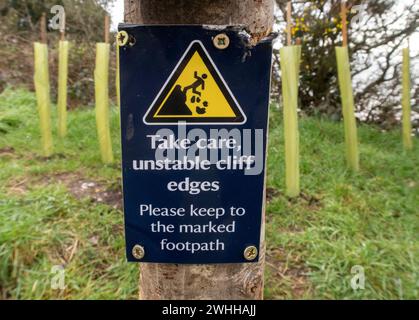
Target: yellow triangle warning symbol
{"type": "Point", "coordinates": [195, 93]}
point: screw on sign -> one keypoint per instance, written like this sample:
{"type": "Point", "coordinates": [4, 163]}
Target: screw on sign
{"type": "Point", "coordinates": [138, 252]}
{"type": "Point", "coordinates": [221, 41]}
{"type": "Point", "coordinates": [251, 253]}
{"type": "Point", "coordinates": [123, 39]}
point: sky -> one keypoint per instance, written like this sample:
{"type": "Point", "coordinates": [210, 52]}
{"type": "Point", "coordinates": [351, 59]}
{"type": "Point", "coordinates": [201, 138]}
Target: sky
{"type": "Point", "coordinates": [117, 13]}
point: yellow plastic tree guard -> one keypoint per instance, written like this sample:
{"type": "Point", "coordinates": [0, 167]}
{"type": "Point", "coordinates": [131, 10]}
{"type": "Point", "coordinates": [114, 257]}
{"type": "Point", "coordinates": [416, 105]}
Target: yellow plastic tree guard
{"type": "Point", "coordinates": [41, 80]}
{"type": "Point", "coordinates": [290, 67]}
{"type": "Point", "coordinates": [102, 101]}
{"type": "Point", "coordinates": [62, 88]}
{"type": "Point", "coordinates": [406, 107]}
{"type": "Point", "coordinates": [348, 109]}
{"type": "Point", "coordinates": [117, 79]}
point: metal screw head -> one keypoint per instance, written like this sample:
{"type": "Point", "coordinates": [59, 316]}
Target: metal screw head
{"type": "Point", "coordinates": [138, 252]}
{"type": "Point", "coordinates": [131, 40]}
{"type": "Point", "coordinates": [122, 38]}
{"type": "Point", "coordinates": [251, 253]}
{"type": "Point", "coordinates": [221, 41]}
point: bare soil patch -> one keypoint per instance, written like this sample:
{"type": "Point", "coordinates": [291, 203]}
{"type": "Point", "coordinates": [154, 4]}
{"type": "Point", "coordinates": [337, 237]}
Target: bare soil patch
{"type": "Point", "coordinates": [79, 186]}
{"type": "Point", "coordinates": [97, 191]}
{"type": "Point", "coordinates": [7, 151]}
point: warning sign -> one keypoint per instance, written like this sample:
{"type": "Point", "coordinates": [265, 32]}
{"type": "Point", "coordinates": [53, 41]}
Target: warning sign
{"type": "Point", "coordinates": [194, 124]}
{"type": "Point", "coordinates": [195, 92]}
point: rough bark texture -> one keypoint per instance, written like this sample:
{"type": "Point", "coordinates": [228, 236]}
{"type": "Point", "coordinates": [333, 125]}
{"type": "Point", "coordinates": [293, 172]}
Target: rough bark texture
{"type": "Point", "coordinates": [256, 15]}
{"type": "Point", "coordinates": [231, 281]}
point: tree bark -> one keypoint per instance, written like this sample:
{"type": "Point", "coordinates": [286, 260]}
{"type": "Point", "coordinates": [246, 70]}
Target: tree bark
{"type": "Point", "coordinates": [256, 15]}
{"type": "Point", "coordinates": [224, 281]}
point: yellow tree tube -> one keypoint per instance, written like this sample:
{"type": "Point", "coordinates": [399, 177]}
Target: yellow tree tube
{"type": "Point", "coordinates": [290, 65]}
{"type": "Point", "coordinates": [406, 107]}
{"type": "Point", "coordinates": [62, 88]}
{"type": "Point", "coordinates": [348, 109]}
{"type": "Point", "coordinates": [41, 80]}
{"type": "Point", "coordinates": [102, 101]}
{"type": "Point", "coordinates": [117, 79]}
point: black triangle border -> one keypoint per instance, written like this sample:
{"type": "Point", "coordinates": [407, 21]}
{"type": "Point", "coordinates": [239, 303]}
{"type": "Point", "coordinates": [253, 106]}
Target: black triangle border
{"type": "Point", "coordinates": [195, 46]}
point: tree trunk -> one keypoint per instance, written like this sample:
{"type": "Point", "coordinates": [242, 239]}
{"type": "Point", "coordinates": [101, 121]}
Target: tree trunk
{"type": "Point", "coordinates": [256, 15]}
{"type": "Point", "coordinates": [223, 281]}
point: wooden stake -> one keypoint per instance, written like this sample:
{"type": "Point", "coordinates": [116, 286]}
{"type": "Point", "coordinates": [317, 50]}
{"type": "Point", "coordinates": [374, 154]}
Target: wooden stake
{"type": "Point", "coordinates": [343, 13]}
{"type": "Point", "coordinates": [62, 28]}
{"type": "Point", "coordinates": [43, 28]}
{"type": "Point", "coordinates": [289, 25]}
{"type": "Point", "coordinates": [107, 26]}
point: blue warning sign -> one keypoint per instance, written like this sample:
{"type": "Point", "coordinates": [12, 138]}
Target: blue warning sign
{"type": "Point", "coordinates": [194, 120]}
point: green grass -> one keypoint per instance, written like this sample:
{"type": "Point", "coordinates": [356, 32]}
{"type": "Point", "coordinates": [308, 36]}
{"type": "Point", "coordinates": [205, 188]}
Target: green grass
{"type": "Point", "coordinates": [341, 220]}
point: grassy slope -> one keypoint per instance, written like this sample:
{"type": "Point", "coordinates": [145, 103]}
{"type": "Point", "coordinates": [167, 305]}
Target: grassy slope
{"type": "Point", "coordinates": [369, 219]}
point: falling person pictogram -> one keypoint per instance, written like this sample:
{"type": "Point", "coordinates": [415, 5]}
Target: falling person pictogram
{"type": "Point", "coordinates": [176, 102]}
